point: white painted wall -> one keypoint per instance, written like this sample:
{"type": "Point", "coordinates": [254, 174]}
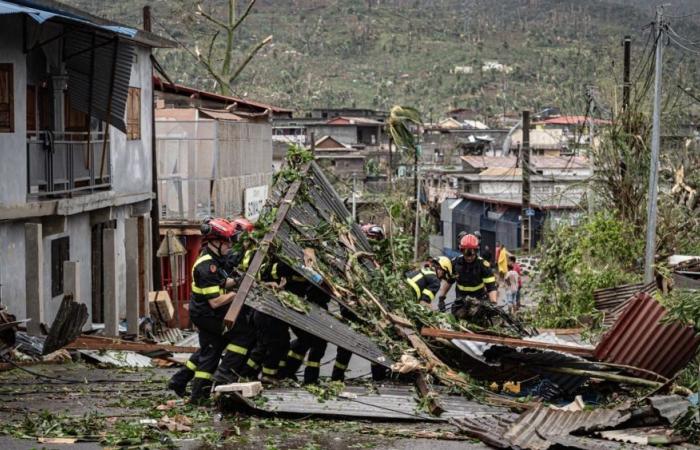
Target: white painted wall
{"type": "Point", "coordinates": [12, 265]}
{"type": "Point", "coordinates": [131, 159]}
{"type": "Point", "coordinates": [13, 147]}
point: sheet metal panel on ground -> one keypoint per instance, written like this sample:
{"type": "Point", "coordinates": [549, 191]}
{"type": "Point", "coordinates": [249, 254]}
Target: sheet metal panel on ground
{"type": "Point", "coordinates": [316, 206]}
{"type": "Point", "coordinates": [382, 402]}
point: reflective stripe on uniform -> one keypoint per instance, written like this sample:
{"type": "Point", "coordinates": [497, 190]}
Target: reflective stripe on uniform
{"type": "Point", "coordinates": [491, 279]}
{"type": "Point", "coordinates": [207, 290]}
{"type": "Point", "coordinates": [247, 256]}
{"type": "Point", "coordinates": [273, 273]}
{"type": "Point", "coordinates": [236, 349]}
{"type": "Point", "coordinates": [298, 278]}
{"type": "Point", "coordinates": [252, 364]}
{"type": "Point", "coordinates": [294, 355]}
{"type": "Point", "coordinates": [413, 282]}
{"type": "Point", "coordinates": [429, 294]}
{"type": "Point", "coordinates": [268, 371]}
{"type": "Point", "coordinates": [313, 363]}
{"type": "Point", "coordinates": [283, 363]}
{"type": "Point", "coordinates": [478, 287]}
{"type": "Point", "coordinates": [340, 365]}
{"type": "Point", "coordinates": [190, 365]}
{"type": "Point", "coordinates": [203, 375]}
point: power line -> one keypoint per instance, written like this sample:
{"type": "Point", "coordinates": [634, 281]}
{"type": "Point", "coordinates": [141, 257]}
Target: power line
{"type": "Point", "coordinates": [684, 16]}
{"type": "Point", "coordinates": [680, 45]}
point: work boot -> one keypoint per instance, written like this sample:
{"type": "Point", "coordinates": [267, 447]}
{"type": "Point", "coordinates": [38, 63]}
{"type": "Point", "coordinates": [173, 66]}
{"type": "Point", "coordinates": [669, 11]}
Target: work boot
{"type": "Point", "coordinates": [338, 374]}
{"type": "Point", "coordinates": [222, 377]}
{"type": "Point", "coordinates": [201, 391]}
{"type": "Point", "coordinates": [178, 382]}
{"type": "Point", "coordinates": [379, 373]}
{"type": "Point", "coordinates": [311, 374]}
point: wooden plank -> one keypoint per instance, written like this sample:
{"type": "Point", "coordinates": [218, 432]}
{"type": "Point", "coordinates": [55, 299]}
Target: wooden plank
{"type": "Point", "coordinates": [508, 342]}
{"type": "Point", "coordinates": [434, 405]}
{"type": "Point", "coordinates": [250, 275]}
{"type": "Point", "coordinates": [101, 343]}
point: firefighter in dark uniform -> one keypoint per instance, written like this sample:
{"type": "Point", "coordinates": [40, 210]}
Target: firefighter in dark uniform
{"type": "Point", "coordinates": [474, 279]}
{"type": "Point", "coordinates": [242, 336]}
{"type": "Point", "coordinates": [272, 334]}
{"type": "Point", "coordinates": [305, 341]}
{"type": "Point", "coordinates": [343, 356]}
{"type": "Point", "coordinates": [209, 283]}
{"type": "Point", "coordinates": [426, 281]}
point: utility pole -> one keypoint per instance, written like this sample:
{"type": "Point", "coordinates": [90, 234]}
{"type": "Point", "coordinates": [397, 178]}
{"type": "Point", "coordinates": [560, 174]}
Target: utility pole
{"type": "Point", "coordinates": [655, 144]}
{"type": "Point", "coordinates": [590, 194]}
{"type": "Point", "coordinates": [526, 211]}
{"type": "Point", "coordinates": [155, 213]}
{"type": "Point", "coordinates": [416, 187]}
{"type": "Point", "coordinates": [626, 86]}
{"type": "Point", "coordinates": [354, 203]}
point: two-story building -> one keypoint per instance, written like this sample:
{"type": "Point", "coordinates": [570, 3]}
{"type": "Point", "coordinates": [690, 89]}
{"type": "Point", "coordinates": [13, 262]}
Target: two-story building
{"type": "Point", "coordinates": [75, 162]}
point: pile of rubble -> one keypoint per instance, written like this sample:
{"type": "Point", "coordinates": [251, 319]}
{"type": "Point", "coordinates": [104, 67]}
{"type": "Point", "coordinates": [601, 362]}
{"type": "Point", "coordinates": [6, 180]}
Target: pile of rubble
{"type": "Point", "coordinates": [491, 384]}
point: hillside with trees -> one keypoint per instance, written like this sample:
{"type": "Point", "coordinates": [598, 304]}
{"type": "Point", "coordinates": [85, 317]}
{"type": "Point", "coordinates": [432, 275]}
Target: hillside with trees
{"type": "Point", "coordinates": [495, 56]}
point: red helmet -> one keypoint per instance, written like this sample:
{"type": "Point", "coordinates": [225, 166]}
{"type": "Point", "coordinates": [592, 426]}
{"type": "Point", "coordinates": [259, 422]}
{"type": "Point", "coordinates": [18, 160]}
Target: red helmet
{"type": "Point", "coordinates": [469, 242]}
{"type": "Point", "coordinates": [217, 230]}
{"type": "Point", "coordinates": [243, 224]}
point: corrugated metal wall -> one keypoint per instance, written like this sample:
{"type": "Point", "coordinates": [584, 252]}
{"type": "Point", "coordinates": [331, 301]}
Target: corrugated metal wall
{"type": "Point", "coordinates": [205, 166]}
{"type": "Point", "coordinates": [98, 67]}
{"type": "Point", "coordinates": [244, 148]}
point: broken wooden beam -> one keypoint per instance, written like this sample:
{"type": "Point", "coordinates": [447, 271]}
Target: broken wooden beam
{"type": "Point", "coordinates": [104, 343]}
{"type": "Point", "coordinates": [433, 401]}
{"type": "Point", "coordinates": [508, 342]}
{"type": "Point", "coordinates": [250, 275]}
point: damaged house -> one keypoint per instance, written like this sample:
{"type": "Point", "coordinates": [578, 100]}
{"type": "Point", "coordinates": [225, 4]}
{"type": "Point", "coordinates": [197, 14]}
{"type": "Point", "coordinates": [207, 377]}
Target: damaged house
{"type": "Point", "coordinates": [75, 162]}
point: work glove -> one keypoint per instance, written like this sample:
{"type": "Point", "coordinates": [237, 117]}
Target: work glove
{"type": "Point", "coordinates": [441, 304]}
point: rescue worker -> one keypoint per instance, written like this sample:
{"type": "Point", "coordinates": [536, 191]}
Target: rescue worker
{"type": "Point", "coordinates": [242, 336]}
{"type": "Point", "coordinates": [271, 334]}
{"type": "Point", "coordinates": [426, 280]}
{"type": "Point", "coordinates": [375, 234]}
{"type": "Point", "coordinates": [306, 342]}
{"type": "Point", "coordinates": [474, 278]}
{"type": "Point", "coordinates": [209, 282]}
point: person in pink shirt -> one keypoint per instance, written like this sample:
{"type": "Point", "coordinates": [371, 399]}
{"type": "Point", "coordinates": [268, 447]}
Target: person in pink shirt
{"type": "Point", "coordinates": [519, 271]}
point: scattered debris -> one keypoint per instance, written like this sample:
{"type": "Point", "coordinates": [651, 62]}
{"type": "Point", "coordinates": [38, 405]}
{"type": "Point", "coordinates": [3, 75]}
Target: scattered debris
{"type": "Point", "coordinates": [67, 325]}
{"type": "Point", "coordinates": [381, 402]}
{"type": "Point", "coordinates": [117, 358]}
{"type": "Point", "coordinates": [247, 390]}
{"type": "Point", "coordinates": [639, 338]}
{"type": "Point", "coordinates": [103, 343]}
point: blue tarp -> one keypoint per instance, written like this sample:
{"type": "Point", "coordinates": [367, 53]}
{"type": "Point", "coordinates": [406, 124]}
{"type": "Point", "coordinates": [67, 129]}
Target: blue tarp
{"type": "Point", "coordinates": [41, 15]}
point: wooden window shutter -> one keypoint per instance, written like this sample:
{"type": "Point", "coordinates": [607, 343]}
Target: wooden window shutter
{"type": "Point", "coordinates": [7, 104]}
{"type": "Point", "coordinates": [133, 114]}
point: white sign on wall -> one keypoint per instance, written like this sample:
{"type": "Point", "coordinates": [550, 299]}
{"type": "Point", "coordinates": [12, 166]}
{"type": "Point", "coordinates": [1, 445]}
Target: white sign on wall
{"type": "Point", "coordinates": [254, 199]}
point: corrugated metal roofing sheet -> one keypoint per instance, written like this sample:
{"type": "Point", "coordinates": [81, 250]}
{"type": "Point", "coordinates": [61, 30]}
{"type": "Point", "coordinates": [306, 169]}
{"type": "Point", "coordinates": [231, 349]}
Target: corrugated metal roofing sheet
{"type": "Point", "coordinates": [99, 69]}
{"type": "Point", "coordinates": [488, 429]}
{"type": "Point", "coordinates": [639, 339]}
{"type": "Point", "coordinates": [670, 407]}
{"type": "Point", "coordinates": [393, 402]}
{"type": "Point", "coordinates": [609, 298]}
{"type": "Point", "coordinates": [588, 443]}
{"type": "Point", "coordinates": [529, 429]}
{"type": "Point", "coordinates": [319, 323]}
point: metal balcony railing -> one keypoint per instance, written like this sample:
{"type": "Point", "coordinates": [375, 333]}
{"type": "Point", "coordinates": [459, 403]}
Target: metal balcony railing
{"type": "Point", "coordinates": [62, 163]}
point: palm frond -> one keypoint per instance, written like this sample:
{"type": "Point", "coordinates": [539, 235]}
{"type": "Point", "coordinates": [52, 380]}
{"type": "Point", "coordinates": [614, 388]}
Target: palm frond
{"type": "Point", "coordinates": [398, 127]}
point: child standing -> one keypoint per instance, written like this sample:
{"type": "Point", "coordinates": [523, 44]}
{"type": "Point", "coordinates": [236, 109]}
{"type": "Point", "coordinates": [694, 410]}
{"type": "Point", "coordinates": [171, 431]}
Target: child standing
{"type": "Point", "coordinates": [511, 281]}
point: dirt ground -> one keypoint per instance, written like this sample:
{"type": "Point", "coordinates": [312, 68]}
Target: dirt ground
{"type": "Point", "coordinates": [119, 407]}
